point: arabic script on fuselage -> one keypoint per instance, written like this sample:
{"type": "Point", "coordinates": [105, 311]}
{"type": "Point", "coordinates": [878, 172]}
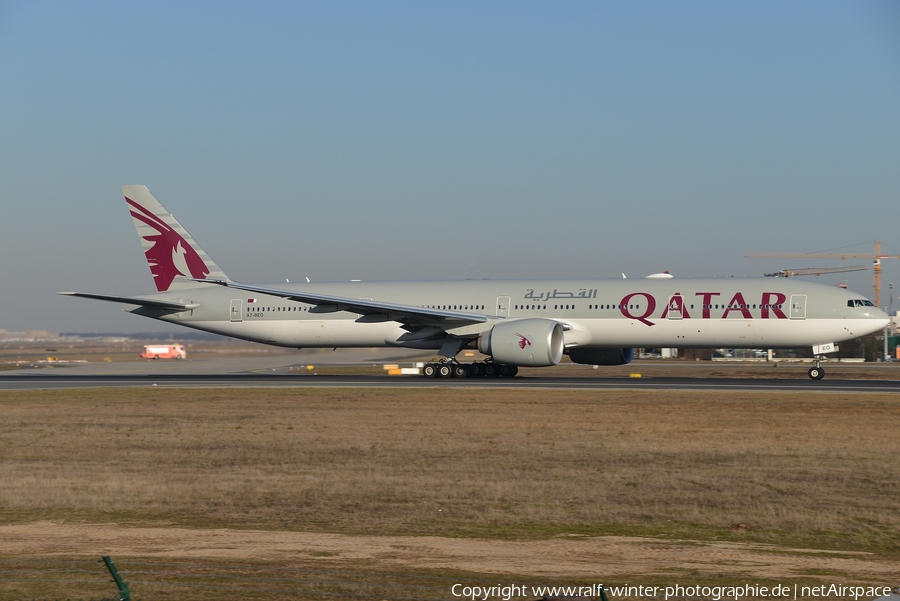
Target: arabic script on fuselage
{"type": "Point", "coordinates": [641, 306]}
{"type": "Point", "coordinates": [583, 293]}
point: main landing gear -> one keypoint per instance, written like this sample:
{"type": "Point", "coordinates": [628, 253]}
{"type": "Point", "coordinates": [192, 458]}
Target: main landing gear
{"type": "Point", "coordinates": [448, 369]}
{"type": "Point", "coordinates": [817, 372]}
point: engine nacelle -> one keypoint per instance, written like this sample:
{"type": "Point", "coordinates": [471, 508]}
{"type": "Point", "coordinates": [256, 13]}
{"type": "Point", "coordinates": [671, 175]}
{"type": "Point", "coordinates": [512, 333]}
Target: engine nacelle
{"type": "Point", "coordinates": [524, 342]}
{"type": "Point", "coordinates": [601, 356]}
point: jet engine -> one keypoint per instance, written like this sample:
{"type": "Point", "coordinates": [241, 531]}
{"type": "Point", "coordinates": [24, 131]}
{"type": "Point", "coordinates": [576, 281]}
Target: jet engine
{"type": "Point", "coordinates": [601, 356]}
{"type": "Point", "coordinates": [524, 342]}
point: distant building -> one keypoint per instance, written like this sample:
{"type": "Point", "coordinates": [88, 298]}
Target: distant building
{"type": "Point", "coordinates": [28, 336]}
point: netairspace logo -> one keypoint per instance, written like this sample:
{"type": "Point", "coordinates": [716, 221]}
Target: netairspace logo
{"type": "Point", "coordinates": [716, 593]}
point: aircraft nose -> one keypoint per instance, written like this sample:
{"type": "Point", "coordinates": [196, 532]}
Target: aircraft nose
{"type": "Point", "coordinates": [880, 319]}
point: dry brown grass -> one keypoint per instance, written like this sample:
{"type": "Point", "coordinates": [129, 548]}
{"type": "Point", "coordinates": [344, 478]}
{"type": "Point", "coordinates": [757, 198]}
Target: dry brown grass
{"type": "Point", "coordinates": [203, 579]}
{"type": "Point", "coordinates": [804, 469]}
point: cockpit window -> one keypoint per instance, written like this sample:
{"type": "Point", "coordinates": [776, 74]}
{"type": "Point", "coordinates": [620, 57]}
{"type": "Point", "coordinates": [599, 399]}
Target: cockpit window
{"type": "Point", "coordinates": [859, 302]}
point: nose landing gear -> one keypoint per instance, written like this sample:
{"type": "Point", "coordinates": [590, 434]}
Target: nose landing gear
{"type": "Point", "coordinates": [817, 372]}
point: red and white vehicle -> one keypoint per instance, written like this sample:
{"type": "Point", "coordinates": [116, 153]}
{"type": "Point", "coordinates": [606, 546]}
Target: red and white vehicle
{"type": "Point", "coordinates": [164, 351]}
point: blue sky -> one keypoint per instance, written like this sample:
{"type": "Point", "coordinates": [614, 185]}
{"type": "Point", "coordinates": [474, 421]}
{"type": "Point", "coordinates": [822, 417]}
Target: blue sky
{"type": "Point", "coordinates": [418, 140]}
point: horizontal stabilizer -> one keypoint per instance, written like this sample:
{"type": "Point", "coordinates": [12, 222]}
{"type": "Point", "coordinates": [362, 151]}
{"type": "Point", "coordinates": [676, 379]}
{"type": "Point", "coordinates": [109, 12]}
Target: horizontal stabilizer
{"type": "Point", "coordinates": [131, 300]}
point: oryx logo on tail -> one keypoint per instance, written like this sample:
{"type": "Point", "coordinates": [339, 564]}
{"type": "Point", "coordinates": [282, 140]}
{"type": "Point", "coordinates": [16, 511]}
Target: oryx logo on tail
{"type": "Point", "coordinates": [170, 255]}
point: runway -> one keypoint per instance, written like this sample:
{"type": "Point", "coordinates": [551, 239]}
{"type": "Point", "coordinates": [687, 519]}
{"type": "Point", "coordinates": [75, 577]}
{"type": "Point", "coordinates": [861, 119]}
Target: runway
{"type": "Point", "coordinates": [63, 381]}
{"type": "Point", "coordinates": [295, 369]}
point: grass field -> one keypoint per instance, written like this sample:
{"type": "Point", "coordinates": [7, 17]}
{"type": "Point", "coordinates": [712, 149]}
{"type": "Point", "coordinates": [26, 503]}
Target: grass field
{"type": "Point", "coordinates": [803, 470]}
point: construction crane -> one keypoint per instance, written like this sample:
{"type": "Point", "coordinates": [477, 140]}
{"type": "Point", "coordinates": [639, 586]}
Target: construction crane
{"type": "Point", "coordinates": [876, 262]}
{"type": "Point", "coordinates": [789, 273]}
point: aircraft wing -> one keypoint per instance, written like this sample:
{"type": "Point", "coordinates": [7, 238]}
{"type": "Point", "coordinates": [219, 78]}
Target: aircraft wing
{"type": "Point", "coordinates": [131, 300]}
{"type": "Point", "coordinates": [377, 311]}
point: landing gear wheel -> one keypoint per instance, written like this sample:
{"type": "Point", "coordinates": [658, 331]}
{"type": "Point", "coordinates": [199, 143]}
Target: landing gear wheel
{"type": "Point", "coordinates": [507, 371]}
{"type": "Point", "coordinates": [444, 370]}
{"type": "Point", "coordinates": [430, 370]}
{"type": "Point", "coordinates": [816, 373]}
{"type": "Point", "coordinates": [460, 371]}
{"type": "Point", "coordinates": [476, 370]}
{"type": "Point", "coordinates": [490, 370]}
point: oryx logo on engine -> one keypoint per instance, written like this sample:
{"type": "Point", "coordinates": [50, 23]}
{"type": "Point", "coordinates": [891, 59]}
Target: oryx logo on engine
{"type": "Point", "coordinates": [523, 341]}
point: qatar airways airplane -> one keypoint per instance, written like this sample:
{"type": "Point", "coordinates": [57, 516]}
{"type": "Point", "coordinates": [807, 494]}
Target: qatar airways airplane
{"type": "Point", "coordinates": [515, 322]}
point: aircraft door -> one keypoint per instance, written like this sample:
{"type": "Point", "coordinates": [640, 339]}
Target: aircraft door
{"type": "Point", "coordinates": [676, 307]}
{"type": "Point", "coordinates": [798, 306]}
{"type": "Point", "coordinates": [503, 306]}
{"type": "Point", "coordinates": [237, 309]}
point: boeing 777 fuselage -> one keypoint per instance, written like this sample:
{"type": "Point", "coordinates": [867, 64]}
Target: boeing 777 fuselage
{"type": "Point", "coordinates": [515, 322]}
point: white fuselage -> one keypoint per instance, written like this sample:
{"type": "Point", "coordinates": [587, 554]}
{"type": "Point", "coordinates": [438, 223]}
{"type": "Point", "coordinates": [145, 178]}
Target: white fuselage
{"type": "Point", "coordinates": [681, 312]}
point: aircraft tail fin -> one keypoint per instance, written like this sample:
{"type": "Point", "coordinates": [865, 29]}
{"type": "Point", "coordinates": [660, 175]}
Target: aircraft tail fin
{"type": "Point", "coordinates": [175, 259]}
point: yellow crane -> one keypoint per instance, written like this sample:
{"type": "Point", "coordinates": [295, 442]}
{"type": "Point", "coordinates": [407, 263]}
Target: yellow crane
{"type": "Point", "coordinates": [876, 262]}
{"type": "Point", "coordinates": [789, 273]}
